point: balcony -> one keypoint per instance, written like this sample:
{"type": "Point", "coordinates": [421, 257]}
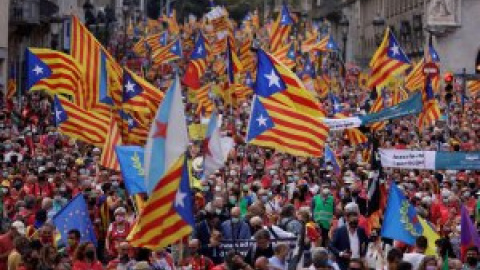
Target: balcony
{"type": "Point", "coordinates": [31, 12]}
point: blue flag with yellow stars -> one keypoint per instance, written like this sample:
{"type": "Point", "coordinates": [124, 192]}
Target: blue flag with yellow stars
{"type": "Point", "coordinates": [75, 216]}
{"type": "Point", "coordinates": [131, 165]}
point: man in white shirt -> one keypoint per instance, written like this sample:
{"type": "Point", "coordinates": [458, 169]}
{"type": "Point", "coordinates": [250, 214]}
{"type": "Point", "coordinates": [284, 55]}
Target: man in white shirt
{"type": "Point", "coordinates": [256, 223]}
{"type": "Point", "coordinates": [416, 257]}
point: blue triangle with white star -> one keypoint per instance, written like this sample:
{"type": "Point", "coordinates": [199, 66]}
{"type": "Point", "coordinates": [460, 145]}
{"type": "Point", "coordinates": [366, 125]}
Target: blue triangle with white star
{"type": "Point", "coordinates": [177, 48]}
{"type": "Point", "coordinates": [291, 52]}
{"type": "Point", "coordinates": [59, 112]}
{"type": "Point", "coordinates": [394, 50]}
{"type": "Point", "coordinates": [286, 19]}
{"type": "Point", "coordinates": [183, 203]}
{"type": "Point", "coordinates": [199, 51]}
{"type": "Point", "coordinates": [336, 104]}
{"type": "Point", "coordinates": [131, 88]}
{"type": "Point", "coordinates": [36, 69]}
{"type": "Point", "coordinates": [268, 80]}
{"type": "Point", "coordinates": [131, 122]}
{"type": "Point", "coordinates": [332, 45]}
{"type": "Point", "coordinates": [309, 69]}
{"type": "Point", "coordinates": [260, 120]}
{"type": "Point", "coordinates": [163, 38]}
{"type": "Point", "coordinates": [433, 54]}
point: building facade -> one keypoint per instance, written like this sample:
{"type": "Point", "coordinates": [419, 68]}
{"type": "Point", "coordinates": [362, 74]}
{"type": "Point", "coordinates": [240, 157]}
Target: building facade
{"type": "Point", "coordinates": [452, 23]}
{"type": "Point", "coordinates": [4, 10]}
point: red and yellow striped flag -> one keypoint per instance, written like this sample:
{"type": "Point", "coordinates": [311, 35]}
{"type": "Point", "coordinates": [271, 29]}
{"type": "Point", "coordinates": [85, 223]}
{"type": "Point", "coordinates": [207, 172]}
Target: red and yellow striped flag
{"type": "Point", "coordinates": [12, 83]}
{"type": "Point", "coordinates": [354, 135]}
{"type": "Point", "coordinates": [280, 29]}
{"type": "Point", "coordinates": [246, 55]}
{"type": "Point", "coordinates": [473, 87]}
{"type": "Point", "coordinates": [388, 60]}
{"type": "Point", "coordinates": [108, 159]}
{"type": "Point", "coordinates": [204, 102]}
{"type": "Point", "coordinates": [67, 76]}
{"type": "Point", "coordinates": [377, 106]}
{"type": "Point", "coordinates": [399, 94]}
{"type": "Point", "coordinates": [78, 123]}
{"type": "Point", "coordinates": [167, 215]}
{"type": "Point", "coordinates": [283, 128]}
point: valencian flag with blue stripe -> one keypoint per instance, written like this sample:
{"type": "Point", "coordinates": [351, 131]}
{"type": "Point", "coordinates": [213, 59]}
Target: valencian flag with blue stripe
{"type": "Point", "coordinates": [275, 125]}
{"type": "Point", "coordinates": [277, 82]}
{"type": "Point", "coordinates": [389, 60]}
{"type": "Point", "coordinates": [75, 216]}
{"type": "Point", "coordinates": [167, 216]}
{"type": "Point", "coordinates": [400, 221]}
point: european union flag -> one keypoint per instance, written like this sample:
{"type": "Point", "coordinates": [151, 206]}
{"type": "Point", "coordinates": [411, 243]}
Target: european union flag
{"type": "Point", "coordinates": [268, 80]}
{"type": "Point", "coordinates": [75, 216]}
{"type": "Point", "coordinates": [400, 220]}
{"type": "Point", "coordinates": [131, 165]}
{"type": "Point", "coordinates": [36, 69]}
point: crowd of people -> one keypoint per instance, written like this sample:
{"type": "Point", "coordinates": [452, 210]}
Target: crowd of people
{"type": "Point", "coordinates": [259, 198]}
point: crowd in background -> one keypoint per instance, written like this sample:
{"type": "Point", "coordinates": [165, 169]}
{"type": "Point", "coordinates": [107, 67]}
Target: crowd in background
{"type": "Point", "coordinates": [260, 194]}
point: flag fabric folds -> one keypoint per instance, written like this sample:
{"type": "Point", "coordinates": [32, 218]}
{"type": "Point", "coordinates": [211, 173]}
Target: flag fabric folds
{"type": "Point", "coordinates": [108, 159]}
{"type": "Point", "coordinates": [12, 83]}
{"type": "Point", "coordinates": [431, 110]}
{"type": "Point", "coordinates": [468, 232]}
{"type": "Point", "coordinates": [78, 123]}
{"type": "Point", "coordinates": [331, 157]}
{"type": "Point", "coordinates": [56, 73]}
{"type": "Point", "coordinates": [213, 149]}
{"type": "Point", "coordinates": [75, 216]}
{"type": "Point", "coordinates": [473, 87]}
{"type": "Point", "coordinates": [275, 125]}
{"type": "Point", "coordinates": [172, 51]}
{"type": "Point", "coordinates": [131, 159]}
{"type": "Point", "coordinates": [286, 55]}
{"type": "Point", "coordinates": [388, 60]}
{"type": "Point", "coordinates": [197, 65]}
{"type": "Point", "coordinates": [416, 79]}
{"type": "Point", "coordinates": [103, 75]}
{"type": "Point", "coordinates": [275, 81]}
{"type": "Point", "coordinates": [281, 28]}
{"type": "Point", "coordinates": [325, 45]}
{"type": "Point", "coordinates": [168, 136]}
{"type": "Point", "coordinates": [400, 221]}
{"type": "Point", "coordinates": [167, 216]}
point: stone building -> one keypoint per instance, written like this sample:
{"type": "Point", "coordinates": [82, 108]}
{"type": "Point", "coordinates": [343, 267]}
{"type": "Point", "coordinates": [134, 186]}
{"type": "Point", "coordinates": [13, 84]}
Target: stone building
{"type": "Point", "coordinates": [452, 23]}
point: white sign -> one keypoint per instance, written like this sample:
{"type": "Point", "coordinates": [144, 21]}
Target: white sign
{"type": "Point", "coordinates": [406, 159]}
{"type": "Point", "coordinates": [340, 124]}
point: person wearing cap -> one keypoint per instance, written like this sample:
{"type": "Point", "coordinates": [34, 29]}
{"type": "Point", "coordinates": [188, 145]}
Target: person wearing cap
{"type": "Point", "coordinates": [117, 231]}
{"type": "Point", "coordinates": [323, 209]}
{"type": "Point", "coordinates": [349, 241]}
{"type": "Point", "coordinates": [17, 228]}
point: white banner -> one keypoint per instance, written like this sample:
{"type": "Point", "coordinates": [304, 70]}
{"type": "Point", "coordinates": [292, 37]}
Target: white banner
{"type": "Point", "coordinates": [339, 124]}
{"type": "Point", "coordinates": [407, 159]}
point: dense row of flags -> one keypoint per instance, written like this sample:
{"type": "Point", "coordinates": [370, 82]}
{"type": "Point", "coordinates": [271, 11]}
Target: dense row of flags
{"type": "Point", "coordinates": [143, 131]}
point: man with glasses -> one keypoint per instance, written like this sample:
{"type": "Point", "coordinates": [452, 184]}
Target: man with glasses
{"type": "Point", "coordinates": [349, 241]}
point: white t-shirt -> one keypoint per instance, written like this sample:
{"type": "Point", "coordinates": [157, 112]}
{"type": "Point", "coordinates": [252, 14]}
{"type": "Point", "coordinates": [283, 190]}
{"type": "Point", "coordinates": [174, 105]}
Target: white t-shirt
{"type": "Point", "coordinates": [414, 258]}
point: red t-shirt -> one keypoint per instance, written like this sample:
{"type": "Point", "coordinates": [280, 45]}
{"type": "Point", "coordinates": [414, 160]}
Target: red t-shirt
{"type": "Point", "coordinates": [6, 246]}
{"type": "Point", "coordinates": [81, 265]}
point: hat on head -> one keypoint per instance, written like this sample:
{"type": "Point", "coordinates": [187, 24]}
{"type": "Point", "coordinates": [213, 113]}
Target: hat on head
{"type": "Point", "coordinates": [120, 210]}
{"type": "Point", "coordinates": [19, 226]}
{"type": "Point", "coordinates": [351, 208]}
